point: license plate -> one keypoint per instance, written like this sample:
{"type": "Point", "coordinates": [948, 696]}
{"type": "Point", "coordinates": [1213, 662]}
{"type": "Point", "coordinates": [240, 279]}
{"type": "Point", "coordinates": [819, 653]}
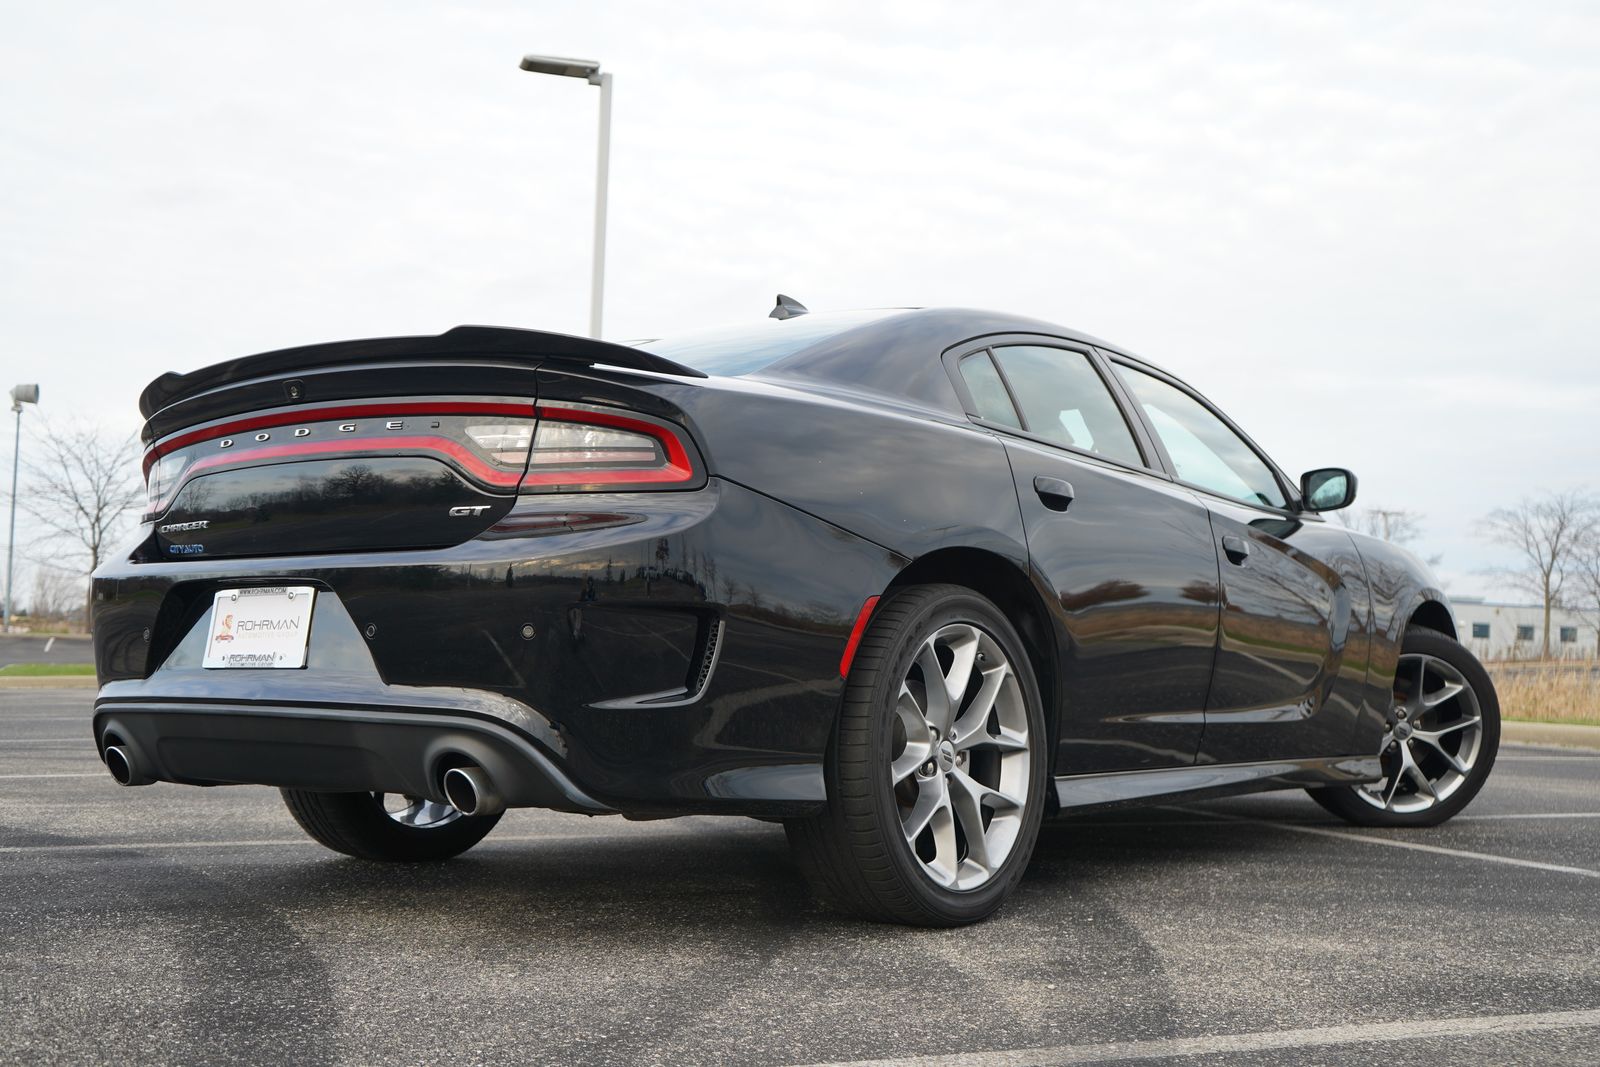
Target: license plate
{"type": "Point", "coordinates": [260, 627]}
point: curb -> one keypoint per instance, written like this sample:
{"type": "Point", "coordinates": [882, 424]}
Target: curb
{"type": "Point", "coordinates": [59, 681]}
{"type": "Point", "coordinates": [1564, 735]}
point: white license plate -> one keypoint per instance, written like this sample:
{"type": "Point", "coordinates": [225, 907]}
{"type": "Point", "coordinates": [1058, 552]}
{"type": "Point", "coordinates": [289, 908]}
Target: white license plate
{"type": "Point", "coordinates": [262, 627]}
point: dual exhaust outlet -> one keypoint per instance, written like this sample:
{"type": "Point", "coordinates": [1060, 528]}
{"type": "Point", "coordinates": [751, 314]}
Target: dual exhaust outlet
{"type": "Point", "coordinates": [468, 788]}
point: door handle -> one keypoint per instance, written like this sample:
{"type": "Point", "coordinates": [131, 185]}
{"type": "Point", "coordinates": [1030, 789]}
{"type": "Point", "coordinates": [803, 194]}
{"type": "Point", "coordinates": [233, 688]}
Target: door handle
{"type": "Point", "coordinates": [1055, 493]}
{"type": "Point", "coordinates": [1237, 549]}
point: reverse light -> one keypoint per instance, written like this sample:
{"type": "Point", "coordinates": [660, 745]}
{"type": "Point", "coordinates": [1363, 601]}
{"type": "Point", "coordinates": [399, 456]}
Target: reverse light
{"type": "Point", "coordinates": [576, 448]}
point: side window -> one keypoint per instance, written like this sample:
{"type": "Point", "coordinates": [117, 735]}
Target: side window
{"type": "Point", "coordinates": [1480, 630]}
{"type": "Point", "coordinates": [988, 391]}
{"type": "Point", "coordinates": [1204, 451]}
{"type": "Point", "coordinates": [1063, 399]}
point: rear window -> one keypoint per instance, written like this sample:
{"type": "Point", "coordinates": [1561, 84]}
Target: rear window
{"type": "Point", "coordinates": [751, 347]}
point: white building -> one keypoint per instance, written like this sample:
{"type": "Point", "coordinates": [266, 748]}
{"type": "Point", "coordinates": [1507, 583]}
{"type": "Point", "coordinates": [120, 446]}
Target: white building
{"type": "Point", "coordinates": [1494, 630]}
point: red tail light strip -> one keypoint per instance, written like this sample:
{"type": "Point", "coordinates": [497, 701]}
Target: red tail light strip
{"type": "Point", "coordinates": [419, 444]}
{"type": "Point", "coordinates": [328, 414]}
{"type": "Point", "coordinates": [678, 468]}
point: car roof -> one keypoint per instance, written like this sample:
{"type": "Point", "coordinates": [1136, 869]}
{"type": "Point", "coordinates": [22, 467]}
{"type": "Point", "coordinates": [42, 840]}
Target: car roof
{"type": "Point", "coordinates": [892, 352]}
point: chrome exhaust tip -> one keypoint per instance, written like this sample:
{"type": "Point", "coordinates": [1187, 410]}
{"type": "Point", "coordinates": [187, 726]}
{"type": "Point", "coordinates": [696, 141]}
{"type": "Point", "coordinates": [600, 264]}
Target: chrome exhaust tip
{"type": "Point", "coordinates": [119, 761]}
{"type": "Point", "coordinates": [470, 792]}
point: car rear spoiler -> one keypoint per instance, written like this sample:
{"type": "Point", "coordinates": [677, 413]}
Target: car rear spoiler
{"type": "Point", "coordinates": [463, 342]}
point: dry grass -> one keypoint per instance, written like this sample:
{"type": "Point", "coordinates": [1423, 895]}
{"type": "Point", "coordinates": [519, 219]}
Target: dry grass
{"type": "Point", "coordinates": [1548, 692]}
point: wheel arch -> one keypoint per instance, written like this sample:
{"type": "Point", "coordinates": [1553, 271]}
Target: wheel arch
{"type": "Point", "coordinates": [1433, 615]}
{"type": "Point", "coordinates": [1007, 585]}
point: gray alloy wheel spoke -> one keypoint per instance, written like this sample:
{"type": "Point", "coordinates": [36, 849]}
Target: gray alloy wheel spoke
{"type": "Point", "coordinates": [1432, 741]}
{"type": "Point", "coordinates": [969, 813]}
{"type": "Point", "coordinates": [979, 792]}
{"type": "Point", "coordinates": [1007, 741]}
{"type": "Point", "coordinates": [970, 759]}
{"type": "Point", "coordinates": [1434, 735]}
{"type": "Point", "coordinates": [919, 746]}
{"type": "Point", "coordinates": [937, 709]}
{"type": "Point", "coordinates": [1420, 771]}
{"type": "Point", "coordinates": [971, 727]}
{"type": "Point", "coordinates": [932, 796]}
{"type": "Point", "coordinates": [1446, 692]}
{"type": "Point", "coordinates": [1423, 783]}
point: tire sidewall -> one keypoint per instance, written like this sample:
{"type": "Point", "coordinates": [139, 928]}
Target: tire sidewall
{"type": "Point", "coordinates": [955, 606]}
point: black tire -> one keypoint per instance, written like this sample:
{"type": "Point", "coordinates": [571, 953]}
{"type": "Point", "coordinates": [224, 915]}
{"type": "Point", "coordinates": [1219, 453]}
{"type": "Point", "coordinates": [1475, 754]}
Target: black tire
{"type": "Point", "coordinates": [1347, 803]}
{"type": "Point", "coordinates": [357, 825]}
{"type": "Point", "coordinates": [855, 853]}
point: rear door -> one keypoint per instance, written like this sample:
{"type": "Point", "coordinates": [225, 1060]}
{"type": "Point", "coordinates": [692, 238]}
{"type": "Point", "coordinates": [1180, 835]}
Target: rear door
{"type": "Point", "coordinates": [1286, 684]}
{"type": "Point", "coordinates": [1126, 555]}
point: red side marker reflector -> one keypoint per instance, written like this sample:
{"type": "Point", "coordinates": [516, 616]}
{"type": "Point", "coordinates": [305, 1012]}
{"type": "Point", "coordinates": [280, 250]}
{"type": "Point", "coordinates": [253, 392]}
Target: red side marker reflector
{"type": "Point", "coordinates": [855, 636]}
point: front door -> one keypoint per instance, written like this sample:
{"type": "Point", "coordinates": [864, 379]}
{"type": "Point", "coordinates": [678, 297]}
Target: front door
{"type": "Point", "coordinates": [1287, 683]}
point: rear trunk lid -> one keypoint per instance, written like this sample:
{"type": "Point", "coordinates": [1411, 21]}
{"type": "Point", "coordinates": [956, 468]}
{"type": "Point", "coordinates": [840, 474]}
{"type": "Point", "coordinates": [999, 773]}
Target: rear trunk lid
{"type": "Point", "coordinates": [398, 443]}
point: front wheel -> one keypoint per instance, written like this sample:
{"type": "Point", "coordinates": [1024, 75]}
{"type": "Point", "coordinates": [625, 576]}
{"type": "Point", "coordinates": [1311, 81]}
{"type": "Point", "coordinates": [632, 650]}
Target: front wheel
{"type": "Point", "coordinates": [936, 772]}
{"type": "Point", "coordinates": [386, 826]}
{"type": "Point", "coordinates": [1440, 742]}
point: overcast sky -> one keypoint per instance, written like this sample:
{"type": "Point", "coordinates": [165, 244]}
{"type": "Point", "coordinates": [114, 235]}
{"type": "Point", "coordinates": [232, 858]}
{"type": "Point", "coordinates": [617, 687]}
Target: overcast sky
{"type": "Point", "coordinates": [1368, 231]}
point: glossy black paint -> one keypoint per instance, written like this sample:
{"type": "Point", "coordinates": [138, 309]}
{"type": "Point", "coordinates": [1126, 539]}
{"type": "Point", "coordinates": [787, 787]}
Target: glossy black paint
{"type": "Point", "coordinates": [678, 650]}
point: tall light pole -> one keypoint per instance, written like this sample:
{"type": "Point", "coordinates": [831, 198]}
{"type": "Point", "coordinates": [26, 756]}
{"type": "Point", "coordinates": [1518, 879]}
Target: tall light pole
{"type": "Point", "coordinates": [20, 395]}
{"type": "Point", "coordinates": [589, 70]}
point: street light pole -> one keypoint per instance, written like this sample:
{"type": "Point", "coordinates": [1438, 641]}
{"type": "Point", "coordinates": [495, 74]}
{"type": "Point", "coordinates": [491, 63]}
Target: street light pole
{"type": "Point", "coordinates": [602, 180]}
{"type": "Point", "coordinates": [589, 70]}
{"type": "Point", "coordinates": [20, 395]}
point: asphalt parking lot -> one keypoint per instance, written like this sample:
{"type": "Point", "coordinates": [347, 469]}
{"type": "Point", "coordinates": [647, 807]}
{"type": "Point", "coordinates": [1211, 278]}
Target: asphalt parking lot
{"type": "Point", "coordinates": [181, 925]}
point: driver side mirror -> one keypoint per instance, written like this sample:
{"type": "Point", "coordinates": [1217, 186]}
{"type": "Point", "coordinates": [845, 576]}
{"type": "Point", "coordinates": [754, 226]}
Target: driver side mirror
{"type": "Point", "coordinates": [1327, 489]}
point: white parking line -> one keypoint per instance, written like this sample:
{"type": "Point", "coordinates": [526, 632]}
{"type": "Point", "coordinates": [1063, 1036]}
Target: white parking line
{"type": "Point", "coordinates": [1260, 1041]}
{"type": "Point", "coordinates": [1576, 757]}
{"type": "Point", "coordinates": [49, 644]}
{"type": "Point", "coordinates": [1541, 815]}
{"type": "Point", "coordinates": [1414, 846]}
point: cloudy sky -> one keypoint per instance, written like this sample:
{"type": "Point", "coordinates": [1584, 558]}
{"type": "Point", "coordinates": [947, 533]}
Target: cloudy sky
{"type": "Point", "coordinates": [1368, 231]}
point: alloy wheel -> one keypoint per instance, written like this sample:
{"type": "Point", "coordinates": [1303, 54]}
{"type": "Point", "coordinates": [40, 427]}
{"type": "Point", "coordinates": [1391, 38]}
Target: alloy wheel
{"type": "Point", "coordinates": [960, 763]}
{"type": "Point", "coordinates": [1433, 740]}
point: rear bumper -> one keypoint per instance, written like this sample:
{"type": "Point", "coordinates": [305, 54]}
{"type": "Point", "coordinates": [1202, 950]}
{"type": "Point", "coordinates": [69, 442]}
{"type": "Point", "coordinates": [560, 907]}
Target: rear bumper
{"type": "Point", "coordinates": [656, 653]}
{"type": "Point", "coordinates": [392, 750]}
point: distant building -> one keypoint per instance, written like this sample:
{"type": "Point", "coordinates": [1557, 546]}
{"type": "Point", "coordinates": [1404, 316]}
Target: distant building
{"type": "Point", "coordinates": [1495, 630]}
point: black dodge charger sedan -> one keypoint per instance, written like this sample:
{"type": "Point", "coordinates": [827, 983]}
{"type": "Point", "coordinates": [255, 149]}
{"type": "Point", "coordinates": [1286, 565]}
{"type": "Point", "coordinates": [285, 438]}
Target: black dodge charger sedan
{"type": "Point", "coordinates": [908, 581]}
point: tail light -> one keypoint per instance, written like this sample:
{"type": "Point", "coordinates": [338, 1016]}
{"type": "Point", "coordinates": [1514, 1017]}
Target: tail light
{"type": "Point", "coordinates": [579, 448]}
{"type": "Point", "coordinates": [498, 445]}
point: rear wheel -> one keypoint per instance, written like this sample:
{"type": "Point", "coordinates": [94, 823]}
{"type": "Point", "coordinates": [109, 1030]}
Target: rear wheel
{"type": "Point", "coordinates": [1440, 742]}
{"type": "Point", "coordinates": [937, 767]}
{"type": "Point", "coordinates": [386, 826]}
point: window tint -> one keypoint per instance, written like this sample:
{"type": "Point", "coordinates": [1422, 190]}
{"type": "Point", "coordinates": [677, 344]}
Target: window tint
{"type": "Point", "coordinates": [988, 391]}
{"type": "Point", "coordinates": [1204, 451]}
{"type": "Point", "coordinates": [1064, 400]}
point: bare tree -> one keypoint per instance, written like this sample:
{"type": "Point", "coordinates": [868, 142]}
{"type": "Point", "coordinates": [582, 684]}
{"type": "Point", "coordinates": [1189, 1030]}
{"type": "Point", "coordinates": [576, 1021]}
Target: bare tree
{"type": "Point", "coordinates": [1396, 525]}
{"type": "Point", "coordinates": [55, 595]}
{"type": "Point", "coordinates": [1545, 532]}
{"type": "Point", "coordinates": [82, 482]}
{"type": "Point", "coordinates": [1586, 575]}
